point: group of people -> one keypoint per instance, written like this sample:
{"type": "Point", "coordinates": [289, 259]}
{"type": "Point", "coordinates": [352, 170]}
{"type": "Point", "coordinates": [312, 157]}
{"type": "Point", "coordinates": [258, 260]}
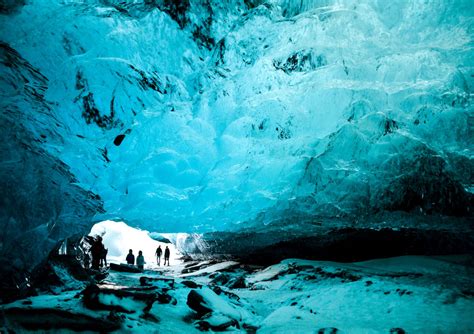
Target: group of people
{"type": "Point", "coordinates": [131, 259]}
{"type": "Point", "coordinates": [99, 255]}
{"type": "Point", "coordinates": [140, 261]}
{"type": "Point", "coordinates": [158, 254]}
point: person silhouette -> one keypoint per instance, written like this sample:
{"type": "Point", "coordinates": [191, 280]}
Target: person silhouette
{"type": "Point", "coordinates": [140, 260]}
{"type": "Point", "coordinates": [103, 257]}
{"type": "Point", "coordinates": [130, 257]}
{"type": "Point", "coordinates": [96, 252]}
{"type": "Point", "coordinates": [167, 256]}
{"type": "Point", "coordinates": [158, 253]}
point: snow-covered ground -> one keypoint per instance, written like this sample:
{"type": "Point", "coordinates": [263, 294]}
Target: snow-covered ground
{"type": "Point", "coordinates": [415, 294]}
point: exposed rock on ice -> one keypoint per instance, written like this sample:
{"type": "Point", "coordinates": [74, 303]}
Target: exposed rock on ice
{"type": "Point", "coordinates": [216, 322]}
{"type": "Point", "coordinates": [58, 319]}
{"type": "Point", "coordinates": [122, 300]}
{"type": "Point", "coordinates": [394, 295]}
{"type": "Point", "coordinates": [219, 309]}
{"type": "Point", "coordinates": [127, 268]}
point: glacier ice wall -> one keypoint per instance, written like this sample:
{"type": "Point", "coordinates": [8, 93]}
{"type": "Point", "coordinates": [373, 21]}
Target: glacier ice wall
{"type": "Point", "coordinates": [40, 199]}
{"type": "Point", "coordinates": [220, 115]}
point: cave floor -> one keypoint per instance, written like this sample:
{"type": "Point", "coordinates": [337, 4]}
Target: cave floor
{"type": "Point", "coordinates": [412, 294]}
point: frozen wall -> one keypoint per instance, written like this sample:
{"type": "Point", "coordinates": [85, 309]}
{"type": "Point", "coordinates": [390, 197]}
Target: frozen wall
{"type": "Point", "coordinates": [40, 199]}
{"type": "Point", "coordinates": [220, 115]}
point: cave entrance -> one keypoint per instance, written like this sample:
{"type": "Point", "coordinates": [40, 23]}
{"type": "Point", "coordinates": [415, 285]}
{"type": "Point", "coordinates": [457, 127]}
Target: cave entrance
{"type": "Point", "coordinates": [118, 238]}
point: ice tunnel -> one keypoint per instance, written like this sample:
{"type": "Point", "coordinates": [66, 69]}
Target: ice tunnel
{"type": "Point", "coordinates": [119, 238]}
{"type": "Point", "coordinates": [262, 129]}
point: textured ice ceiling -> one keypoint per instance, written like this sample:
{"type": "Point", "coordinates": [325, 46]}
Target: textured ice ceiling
{"type": "Point", "coordinates": [218, 115]}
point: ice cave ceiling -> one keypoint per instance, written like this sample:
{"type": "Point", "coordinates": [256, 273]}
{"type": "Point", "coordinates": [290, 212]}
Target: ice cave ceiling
{"type": "Point", "coordinates": [219, 115]}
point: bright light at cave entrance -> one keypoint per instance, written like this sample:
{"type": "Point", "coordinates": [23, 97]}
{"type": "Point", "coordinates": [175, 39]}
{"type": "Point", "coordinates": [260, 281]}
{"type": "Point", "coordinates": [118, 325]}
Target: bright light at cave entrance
{"type": "Point", "coordinates": [118, 238]}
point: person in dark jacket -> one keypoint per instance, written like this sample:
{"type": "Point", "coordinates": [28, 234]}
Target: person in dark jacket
{"type": "Point", "coordinates": [103, 257]}
{"type": "Point", "coordinates": [96, 250]}
{"type": "Point", "coordinates": [167, 256]}
{"type": "Point", "coordinates": [130, 257]}
{"type": "Point", "coordinates": [140, 260]}
{"type": "Point", "coordinates": [158, 253]}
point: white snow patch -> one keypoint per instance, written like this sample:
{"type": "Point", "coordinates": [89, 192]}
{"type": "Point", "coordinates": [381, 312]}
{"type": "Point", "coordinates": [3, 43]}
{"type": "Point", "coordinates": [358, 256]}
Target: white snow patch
{"type": "Point", "coordinates": [118, 238]}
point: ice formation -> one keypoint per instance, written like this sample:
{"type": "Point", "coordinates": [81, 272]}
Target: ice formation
{"type": "Point", "coordinates": [200, 116]}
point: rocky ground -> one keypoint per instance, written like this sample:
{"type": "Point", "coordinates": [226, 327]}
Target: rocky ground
{"type": "Point", "coordinates": [410, 294]}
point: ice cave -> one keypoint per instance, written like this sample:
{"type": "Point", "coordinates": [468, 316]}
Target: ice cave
{"type": "Point", "coordinates": [304, 166]}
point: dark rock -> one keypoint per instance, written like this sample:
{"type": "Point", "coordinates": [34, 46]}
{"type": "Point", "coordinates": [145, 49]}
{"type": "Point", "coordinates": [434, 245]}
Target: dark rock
{"type": "Point", "coordinates": [196, 302]}
{"type": "Point", "coordinates": [163, 283]}
{"type": "Point", "coordinates": [190, 264]}
{"type": "Point", "coordinates": [118, 140]}
{"type": "Point", "coordinates": [468, 293]}
{"type": "Point", "coordinates": [150, 317]}
{"type": "Point", "coordinates": [164, 298]}
{"type": "Point", "coordinates": [191, 317]}
{"type": "Point", "coordinates": [397, 330]}
{"type": "Point", "coordinates": [64, 267]}
{"type": "Point", "coordinates": [186, 258]}
{"type": "Point", "coordinates": [115, 317]}
{"type": "Point", "coordinates": [127, 268]}
{"type": "Point", "coordinates": [56, 319]}
{"type": "Point", "coordinates": [191, 284]}
{"type": "Point", "coordinates": [342, 274]}
{"type": "Point", "coordinates": [402, 292]}
{"type": "Point", "coordinates": [195, 266]}
{"type": "Point", "coordinates": [346, 276]}
{"type": "Point", "coordinates": [216, 322]}
{"type": "Point", "coordinates": [328, 330]}
{"type": "Point", "coordinates": [139, 288]}
{"type": "Point", "coordinates": [100, 275]}
{"type": "Point", "coordinates": [218, 290]}
{"type": "Point", "coordinates": [250, 329]}
{"type": "Point", "coordinates": [11, 6]}
{"type": "Point", "coordinates": [14, 283]}
{"type": "Point", "coordinates": [237, 283]}
{"type": "Point", "coordinates": [220, 278]}
{"type": "Point", "coordinates": [208, 305]}
{"type": "Point", "coordinates": [45, 274]}
{"type": "Point", "coordinates": [92, 299]}
{"type": "Point", "coordinates": [310, 278]}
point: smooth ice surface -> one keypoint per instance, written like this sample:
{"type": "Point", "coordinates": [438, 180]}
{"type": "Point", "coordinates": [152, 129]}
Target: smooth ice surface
{"type": "Point", "coordinates": [224, 115]}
